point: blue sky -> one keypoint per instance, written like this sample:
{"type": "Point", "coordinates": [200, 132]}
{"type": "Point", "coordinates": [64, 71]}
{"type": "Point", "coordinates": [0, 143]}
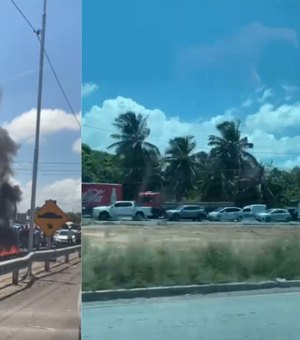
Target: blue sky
{"type": "Point", "coordinates": [19, 60]}
{"type": "Point", "coordinates": [191, 64]}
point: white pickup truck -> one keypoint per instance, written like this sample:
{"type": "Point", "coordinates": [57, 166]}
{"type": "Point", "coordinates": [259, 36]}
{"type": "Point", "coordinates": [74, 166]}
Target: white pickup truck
{"type": "Point", "coordinates": [122, 209]}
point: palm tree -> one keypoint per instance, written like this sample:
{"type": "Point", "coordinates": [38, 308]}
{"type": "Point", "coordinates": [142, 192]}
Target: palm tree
{"type": "Point", "coordinates": [138, 155]}
{"type": "Point", "coordinates": [231, 149]}
{"type": "Point", "coordinates": [182, 165]}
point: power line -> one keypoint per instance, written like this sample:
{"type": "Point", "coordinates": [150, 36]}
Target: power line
{"type": "Point", "coordinates": [51, 162]}
{"type": "Point", "coordinates": [24, 16]}
{"type": "Point", "coordinates": [49, 62]}
{"type": "Point", "coordinates": [60, 85]}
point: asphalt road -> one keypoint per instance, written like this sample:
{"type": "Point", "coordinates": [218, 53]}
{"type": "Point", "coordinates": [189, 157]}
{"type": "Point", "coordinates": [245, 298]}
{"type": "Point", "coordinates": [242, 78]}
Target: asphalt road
{"type": "Point", "coordinates": [250, 316]}
{"type": "Point", "coordinates": [47, 310]}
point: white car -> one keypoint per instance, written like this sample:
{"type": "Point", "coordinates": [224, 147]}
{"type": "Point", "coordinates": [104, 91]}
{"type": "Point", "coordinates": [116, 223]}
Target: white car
{"type": "Point", "coordinates": [250, 211]}
{"type": "Point", "coordinates": [275, 215]}
{"type": "Point", "coordinates": [122, 209]}
{"type": "Point", "coordinates": [226, 214]}
{"type": "Point", "coordinates": [62, 237]}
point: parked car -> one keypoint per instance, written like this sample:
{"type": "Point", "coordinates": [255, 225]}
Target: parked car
{"type": "Point", "coordinates": [274, 215]}
{"type": "Point", "coordinates": [226, 214]}
{"type": "Point", "coordinates": [62, 237]}
{"type": "Point", "coordinates": [250, 211]}
{"type": "Point", "coordinates": [76, 228]}
{"type": "Point", "coordinates": [294, 213]}
{"type": "Point", "coordinates": [122, 209]}
{"type": "Point", "coordinates": [193, 212]}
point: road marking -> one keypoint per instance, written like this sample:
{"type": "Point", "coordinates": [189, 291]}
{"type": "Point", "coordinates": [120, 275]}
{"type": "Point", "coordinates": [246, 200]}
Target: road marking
{"type": "Point", "coordinates": [40, 327]}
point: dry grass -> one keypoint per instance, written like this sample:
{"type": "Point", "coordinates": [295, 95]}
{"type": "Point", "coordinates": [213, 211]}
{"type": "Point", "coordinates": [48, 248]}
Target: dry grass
{"type": "Point", "coordinates": [125, 257]}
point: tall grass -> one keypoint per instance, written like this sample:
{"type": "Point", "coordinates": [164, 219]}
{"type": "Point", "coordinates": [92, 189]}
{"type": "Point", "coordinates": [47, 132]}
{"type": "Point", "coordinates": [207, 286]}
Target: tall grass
{"type": "Point", "coordinates": [144, 265]}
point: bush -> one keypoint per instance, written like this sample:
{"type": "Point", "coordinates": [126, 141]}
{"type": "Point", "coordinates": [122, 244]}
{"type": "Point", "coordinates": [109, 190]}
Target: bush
{"type": "Point", "coordinates": [143, 265]}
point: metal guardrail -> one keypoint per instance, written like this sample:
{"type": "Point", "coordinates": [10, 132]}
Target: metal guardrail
{"type": "Point", "coordinates": [15, 265]}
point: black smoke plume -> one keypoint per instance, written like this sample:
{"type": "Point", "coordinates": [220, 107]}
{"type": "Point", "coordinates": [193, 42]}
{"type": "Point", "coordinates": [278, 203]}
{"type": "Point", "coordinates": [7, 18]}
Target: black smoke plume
{"type": "Point", "coordinates": [10, 194]}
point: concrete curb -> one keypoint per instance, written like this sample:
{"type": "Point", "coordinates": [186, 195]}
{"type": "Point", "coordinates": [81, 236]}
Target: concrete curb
{"type": "Point", "coordinates": [162, 222]}
{"type": "Point", "coordinates": [153, 292]}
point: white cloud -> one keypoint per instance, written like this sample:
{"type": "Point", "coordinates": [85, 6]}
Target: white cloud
{"type": "Point", "coordinates": [289, 88]}
{"type": "Point", "coordinates": [88, 88]}
{"type": "Point", "coordinates": [77, 146]}
{"type": "Point", "coordinates": [267, 146]}
{"type": "Point", "coordinates": [97, 124]}
{"type": "Point", "coordinates": [272, 119]}
{"type": "Point", "coordinates": [66, 192]}
{"type": "Point", "coordinates": [268, 93]}
{"type": "Point", "coordinates": [291, 163]}
{"type": "Point", "coordinates": [248, 102]}
{"type": "Point", "coordinates": [23, 126]}
{"type": "Point", "coordinates": [260, 127]}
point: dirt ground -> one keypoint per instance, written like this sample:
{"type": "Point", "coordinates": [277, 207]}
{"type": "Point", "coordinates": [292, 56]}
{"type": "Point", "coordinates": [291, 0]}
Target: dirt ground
{"type": "Point", "coordinates": [188, 235]}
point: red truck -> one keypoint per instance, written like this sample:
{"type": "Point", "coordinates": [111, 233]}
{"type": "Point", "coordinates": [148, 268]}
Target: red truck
{"type": "Point", "coordinates": [100, 194]}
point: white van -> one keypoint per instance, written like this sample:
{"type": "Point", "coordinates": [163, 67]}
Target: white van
{"type": "Point", "coordinates": [250, 211]}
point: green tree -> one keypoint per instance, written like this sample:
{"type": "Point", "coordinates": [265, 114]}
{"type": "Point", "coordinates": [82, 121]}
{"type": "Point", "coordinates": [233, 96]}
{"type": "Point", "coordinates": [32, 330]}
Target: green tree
{"type": "Point", "coordinates": [182, 166]}
{"type": "Point", "coordinates": [231, 149]}
{"type": "Point", "coordinates": [101, 167]}
{"type": "Point", "coordinates": [139, 157]}
{"type": "Point", "coordinates": [232, 159]}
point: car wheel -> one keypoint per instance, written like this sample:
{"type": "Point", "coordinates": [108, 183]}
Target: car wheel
{"type": "Point", "coordinates": [239, 218]}
{"type": "Point", "coordinates": [139, 216]}
{"type": "Point", "coordinates": [176, 217]}
{"type": "Point", "coordinates": [103, 216]}
{"type": "Point", "coordinates": [287, 219]}
{"type": "Point", "coordinates": [200, 217]}
{"type": "Point", "coordinates": [268, 219]}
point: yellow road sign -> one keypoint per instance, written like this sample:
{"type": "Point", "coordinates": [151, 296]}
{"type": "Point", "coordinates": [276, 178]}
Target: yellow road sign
{"type": "Point", "coordinates": [50, 218]}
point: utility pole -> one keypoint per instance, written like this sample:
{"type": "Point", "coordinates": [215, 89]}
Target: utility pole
{"type": "Point", "coordinates": [37, 133]}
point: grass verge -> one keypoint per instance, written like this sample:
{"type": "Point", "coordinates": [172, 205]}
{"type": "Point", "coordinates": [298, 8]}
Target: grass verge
{"type": "Point", "coordinates": [140, 264]}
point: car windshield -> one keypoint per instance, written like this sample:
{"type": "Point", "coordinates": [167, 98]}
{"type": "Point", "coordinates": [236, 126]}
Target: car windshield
{"type": "Point", "coordinates": [269, 210]}
{"type": "Point", "coordinates": [63, 233]}
{"type": "Point", "coordinates": [218, 209]}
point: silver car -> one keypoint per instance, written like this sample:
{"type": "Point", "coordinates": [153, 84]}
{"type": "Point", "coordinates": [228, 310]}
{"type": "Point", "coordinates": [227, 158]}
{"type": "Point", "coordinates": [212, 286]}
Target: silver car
{"type": "Point", "coordinates": [275, 215]}
{"type": "Point", "coordinates": [192, 212]}
{"type": "Point", "coordinates": [226, 214]}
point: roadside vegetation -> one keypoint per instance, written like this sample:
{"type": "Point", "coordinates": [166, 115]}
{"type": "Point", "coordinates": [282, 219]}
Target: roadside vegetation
{"type": "Point", "coordinates": [141, 264]}
{"type": "Point", "coordinates": [183, 172]}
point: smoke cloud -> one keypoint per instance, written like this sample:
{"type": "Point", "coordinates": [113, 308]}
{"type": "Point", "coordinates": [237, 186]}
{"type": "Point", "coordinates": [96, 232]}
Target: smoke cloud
{"type": "Point", "coordinates": [9, 194]}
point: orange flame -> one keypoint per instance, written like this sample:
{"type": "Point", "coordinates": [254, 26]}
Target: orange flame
{"type": "Point", "coordinates": [13, 250]}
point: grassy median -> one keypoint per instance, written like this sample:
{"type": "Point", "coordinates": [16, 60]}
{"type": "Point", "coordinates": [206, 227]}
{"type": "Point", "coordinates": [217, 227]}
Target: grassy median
{"type": "Point", "coordinates": [141, 264]}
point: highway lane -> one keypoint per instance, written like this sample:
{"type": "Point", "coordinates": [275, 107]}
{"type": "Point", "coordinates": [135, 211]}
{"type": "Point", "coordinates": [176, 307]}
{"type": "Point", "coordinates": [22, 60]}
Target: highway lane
{"type": "Point", "coordinates": [47, 310]}
{"type": "Point", "coordinates": [237, 316]}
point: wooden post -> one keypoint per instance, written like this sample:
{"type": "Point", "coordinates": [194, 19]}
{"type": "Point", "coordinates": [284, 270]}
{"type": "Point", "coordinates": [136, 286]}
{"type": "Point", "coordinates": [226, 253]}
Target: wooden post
{"type": "Point", "coordinates": [67, 258]}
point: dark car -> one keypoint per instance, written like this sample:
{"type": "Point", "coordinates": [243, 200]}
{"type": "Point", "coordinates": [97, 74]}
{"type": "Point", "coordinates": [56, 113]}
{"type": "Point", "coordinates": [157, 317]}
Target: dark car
{"type": "Point", "coordinates": [293, 212]}
{"type": "Point", "coordinates": [192, 212]}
